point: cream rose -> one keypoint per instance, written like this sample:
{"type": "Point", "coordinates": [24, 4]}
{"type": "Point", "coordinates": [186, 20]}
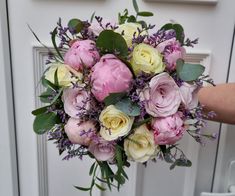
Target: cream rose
{"type": "Point", "coordinates": [115, 123]}
{"type": "Point", "coordinates": [146, 59]}
{"type": "Point", "coordinates": [128, 30]}
{"type": "Point", "coordinates": [140, 146]}
{"type": "Point", "coordinates": [64, 74]}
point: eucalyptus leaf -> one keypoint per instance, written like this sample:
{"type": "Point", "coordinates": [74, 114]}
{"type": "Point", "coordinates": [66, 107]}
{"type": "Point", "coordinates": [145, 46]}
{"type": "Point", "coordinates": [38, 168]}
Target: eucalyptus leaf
{"type": "Point", "coordinates": [189, 72]}
{"type": "Point", "coordinates": [178, 30]}
{"type": "Point", "coordinates": [135, 5]}
{"type": "Point", "coordinates": [183, 163]}
{"type": "Point", "coordinates": [76, 25]}
{"type": "Point", "coordinates": [145, 14]}
{"type": "Point", "coordinates": [113, 98]}
{"type": "Point", "coordinates": [44, 122]}
{"type": "Point", "coordinates": [128, 107]}
{"type": "Point", "coordinates": [111, 42]}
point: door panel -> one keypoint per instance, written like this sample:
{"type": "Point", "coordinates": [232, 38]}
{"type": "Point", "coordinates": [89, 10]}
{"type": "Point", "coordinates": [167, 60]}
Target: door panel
{"type": "Point", "coordinates": [42, 173]}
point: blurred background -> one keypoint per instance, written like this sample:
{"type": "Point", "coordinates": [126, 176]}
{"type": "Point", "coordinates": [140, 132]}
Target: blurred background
{"type": "Point", "coordinates": [29, 166]}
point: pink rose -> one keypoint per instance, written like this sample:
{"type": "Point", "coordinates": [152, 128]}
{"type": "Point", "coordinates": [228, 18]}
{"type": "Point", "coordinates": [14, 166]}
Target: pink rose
{"type": "Point", "coordinates": [172, 51]}
{"type": "Point", "coordinates": [102, 150]}
{"type": "Point", "coordinates": [162, 97]}
{"type": "Point", "coordinates": [110, 75]}
{"type": "Point", "coordinates": [168, 130]}
{"type": "Point", "coordinates": [79, 132]}
{"type": "Point", "coordinates": [82, 52]}
{"type": "Point", "coordinates": [97, 29]}
{"type": "Point", "coordinates": [76, 101]}
{"type": "Point", "coordinates": [189, 95]}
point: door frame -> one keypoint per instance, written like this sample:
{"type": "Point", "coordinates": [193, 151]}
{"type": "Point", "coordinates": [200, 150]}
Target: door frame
{"type": "Point", "coordinates": [8, 165]}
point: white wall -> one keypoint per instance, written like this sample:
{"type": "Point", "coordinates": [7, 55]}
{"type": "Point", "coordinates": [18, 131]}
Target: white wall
{"type": "Point", "coordinates": [213, 24]}
{"type": "Point", "coordinates": [8, 169]}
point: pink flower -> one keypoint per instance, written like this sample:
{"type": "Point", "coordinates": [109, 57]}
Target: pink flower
{"type": "Point", "coordinates": [102, 150]}
{"type": "Point", "coordinates": [162, 97]}
{"type": "Point", "coordinates": [76, 101]}
{"type": "Point", "coordinates": [110, 75]}
{"type": "Point", "coordinates": [79, 132]}
{"type": "Point", "coordinates": [97, 29]}
{"type": "Point", "coordinates": [172, 51]}
{"type": "Point", "coordinates": [189, 95]}
{"type": "Point", "coordinates": [168, 130]}
{"type": "Point", "coordinates": [82, 52]}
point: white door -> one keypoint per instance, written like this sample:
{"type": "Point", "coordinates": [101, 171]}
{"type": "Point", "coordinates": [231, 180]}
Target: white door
{"type": "Point", "coordinates": [41, 171]}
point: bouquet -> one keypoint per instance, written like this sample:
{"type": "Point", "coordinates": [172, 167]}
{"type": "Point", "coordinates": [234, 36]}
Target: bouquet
{"type": "Point", "coordinates": [120, 92]}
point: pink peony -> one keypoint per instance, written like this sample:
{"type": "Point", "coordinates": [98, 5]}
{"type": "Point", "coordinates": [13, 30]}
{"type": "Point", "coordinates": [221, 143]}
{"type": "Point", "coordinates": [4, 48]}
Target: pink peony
{"type": "Point", "coordinates": [102, 150]}
{"type": "Point", "coordinates": [82, 53]}
{"type": "Point", "coordinates": [172, 51]}
{"type": "Point", "coordinates": [97, 29]}
{"type": "Point", "coordinates": [189, 95]}
{"type": "Point", "coordinates": [168, 130]}
{"type": "Point", "coordinates": [79, 132]}
{"type": "Point", "coordinates": [76, 101]}
{"type": "Point", "coordinates": [110, 75]}
{"type": "Point", "coordinates": [162, 97]}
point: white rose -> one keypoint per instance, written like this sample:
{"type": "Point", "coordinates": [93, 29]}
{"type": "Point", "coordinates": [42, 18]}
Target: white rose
{"type": "Point", "coordinates": [140, 146]}
{"type": "Point", "coordinates": [128, 30]}
{"type": "Point", "coordinates": [115, 123]}
{"type": "Point", "coordinates": [64, 74]}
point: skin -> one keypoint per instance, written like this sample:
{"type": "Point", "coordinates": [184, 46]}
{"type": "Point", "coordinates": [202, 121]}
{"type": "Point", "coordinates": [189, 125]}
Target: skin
{"type": "Point", "coordinates": [221, 100]}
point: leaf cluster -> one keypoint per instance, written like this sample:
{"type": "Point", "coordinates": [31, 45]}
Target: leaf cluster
{"type": "Point", "coordinates": [44, 118]}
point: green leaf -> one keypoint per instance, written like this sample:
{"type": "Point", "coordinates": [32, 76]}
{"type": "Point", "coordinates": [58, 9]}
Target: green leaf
{"type": "Point", "coordinates": [135, 6]}
{"type": "Point", "coordinates": [92, 17]}
{"type": "Point", "coordinates": [128, 107]}
{"type": "Point", "coordinates": [137, 124]}
{"type": "Point", "coordinates": [188, 72]}
{"type": "Point", "coordinates": [100, 187]}
{"type": "Point", "coordinates": [82, 188]}
{"type": "Point", "coordinates": [131, 19]}
{"type": "Point", "coordinates": [113, 98]}
{"type": "Point", "coordinates": [76, 25]}
{"type": "Point", "coordinates": [178, 30]}
{"type": "Point", "coordinates": [167, 158]}
{"type": "Point", "coordinates": [44, 97]}
{"type": "Point", "coordinates": [53, 37]}
{"type": "Point", "coordinates": [111, 42]}
{"type": "Point", "coordinates": [145, 14]}
{"type": "Point", "coordinates": [123, 17]}
{"type": "Point", "coordinates": [44, 122]}
{"type": "Point", "coordinates": [57, 96]}
{"type": "Point", "coordinates": [143, 24]}
{"type": "Point", "coordinates": [40, 111]}
{"type": "Point", "coordinates": [46, 83]}
{"type": "Point", "coordinates": [56, 82]}
{"type": "Point", "coordinates": [181, 163]}
{"type": "Point", "coordinates": [92, 168]}
{"type": "Point", "coordinates": [118, 156]}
